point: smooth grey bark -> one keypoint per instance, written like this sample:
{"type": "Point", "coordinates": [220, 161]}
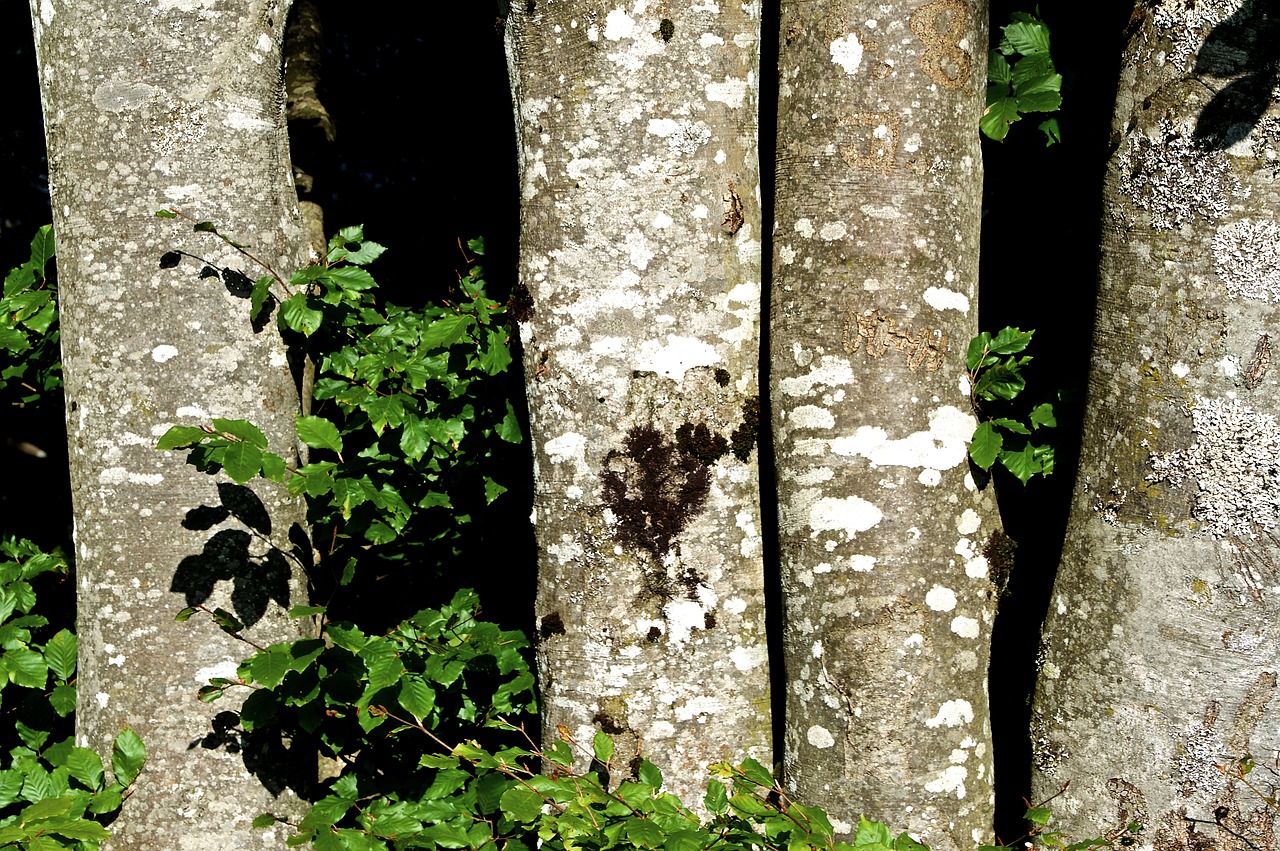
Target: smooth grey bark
{"type": "Point", "coordinates": [883, 530]}
{"type": "Point", "coordinates": [639, 308]}
{"type": "Point", "coordinates": [148, 107]}
{"type": "Point", "coordinates": [1160, 659]}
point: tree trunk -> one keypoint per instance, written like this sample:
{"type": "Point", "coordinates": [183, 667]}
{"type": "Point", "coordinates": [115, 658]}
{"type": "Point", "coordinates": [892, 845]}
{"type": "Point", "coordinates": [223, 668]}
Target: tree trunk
{"type": "Point", "coordinates": [1159, 662]}
{"type": "Point", "coordinates": [181, 106]}
{"type": "Point", "coordinates": [639, 302]}
{"type": "Point", "coordinates": [883, 530]}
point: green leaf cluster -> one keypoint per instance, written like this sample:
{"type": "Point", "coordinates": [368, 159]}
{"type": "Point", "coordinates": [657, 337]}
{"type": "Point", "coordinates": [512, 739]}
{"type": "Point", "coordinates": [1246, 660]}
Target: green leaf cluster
{"type": "Point", "coordinates": [1028, 83]}
{"type": "Point", "coordinates": [30, 357]}
{"type": "Point", "coordinates": [53, 794]}
{"type": "Point", "coordinates": [995, 376]}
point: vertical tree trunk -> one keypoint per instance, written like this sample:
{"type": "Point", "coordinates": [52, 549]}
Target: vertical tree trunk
{"type": "Point", "coordinates": [883, 528]}
{"type": "Point", "coordinates": [1159, 662]}
{"type": "Point", "coordinates": [146, 108]}
{"type": "Point", "coordinates": [639, 303]}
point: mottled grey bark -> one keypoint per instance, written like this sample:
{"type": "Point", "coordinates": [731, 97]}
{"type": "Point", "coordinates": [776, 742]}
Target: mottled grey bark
{"type": "Point", "coordinates": [639, 308]}
{"type": "Point", "coordinates": [1160, 653]}
{"type": "Point", "coordinates": [883, 529]}
{"type": "Point", "coordinates": [147, 107]}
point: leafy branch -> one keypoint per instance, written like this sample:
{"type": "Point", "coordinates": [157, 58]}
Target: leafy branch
{"type": "Point", "coordinates": [995, 376]}
{"type": "Point", "coordinates": [1029, 83]}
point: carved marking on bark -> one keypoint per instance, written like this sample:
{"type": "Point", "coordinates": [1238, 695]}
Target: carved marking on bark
{"type": "Point", "coordinates": [942, 59]}
{"type": "Point", "coordinates": [733, 218]}
{"type": "Point", "coordinates": [876, 333]}
{"type": "Point", "coordinates": [877, 150]}
{"type": "Point", "coordinates": [1259, 364]}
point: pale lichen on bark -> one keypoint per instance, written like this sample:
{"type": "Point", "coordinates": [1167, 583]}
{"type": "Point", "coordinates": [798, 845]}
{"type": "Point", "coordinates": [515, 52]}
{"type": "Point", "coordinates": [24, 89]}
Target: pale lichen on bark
{"type": "Point", "coordinates": [641, 348]}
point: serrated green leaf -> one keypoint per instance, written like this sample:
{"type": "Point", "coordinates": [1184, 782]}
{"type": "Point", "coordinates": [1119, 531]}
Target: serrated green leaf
{"type": "Point", "coordinates": [417, 697]}
{"type": "Point", "coordinates": [1042, 416]}
{"type": "Point", "coordinates": [1023, 462]}
{"type": "Point", "coordinates": [1038, 815]}
{"type": "Point", "coordinates": [26, 667]}
{"type": "Point", "coordinates": [1025, 37]}
{"type": "Point", "coordinates": [1010, 341]}
{"type": "Point", "coordinates": [602, 746]}
{"type": "Point", "coordinates": [127, 756]}
{"type": "Point", "coordinates": [649, 774]}
{"type": "Point", "coordinates": [320, 433]}
{"type": "Point", "coordinates": [242, 461]}
{"type": "Point", "coordinates": [178, 437]}
{"type": "Point", "coordinates": [1010, 425]}
{"type": "Point", "coordinates": [522, 804]}
{"type": "Point", "coordinates": [243, 430]}
{"type": "Point", "coordinates": [60, 654]}
{"type": "Point", "coordinates": [63, 699]}
{"type": "Point", "coordinates": [446, 330]}
{"type": "Point", "coordinates": [297, 314]}
{"type": "Point", "coordinates": [264, 820]}
{"type": "Point", "coordinates": [86, 766]}
{"type": "Point", "coordinates": [985, 446]}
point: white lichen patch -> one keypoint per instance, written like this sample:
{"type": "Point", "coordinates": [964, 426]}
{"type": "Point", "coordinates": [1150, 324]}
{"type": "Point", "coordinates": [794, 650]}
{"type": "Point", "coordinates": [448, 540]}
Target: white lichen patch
{"type": "Point", "coordinates": [748, 658]}
{"type": "Point", "coordinates": [951, 779]}
{"type": "Point", "coordinates": [832, 231]}
{"type": "Point", "coordinates": [678, 355]}
{"type": "Point", "coordinates": [120, 476]}
{"type": "Point", "coordinates": [1235, 465]}
{"type": "Point", "coordinates": [162, 353]}
{"type": "Point", "coordinates": [811, 416]}
{"type": "Point", "coordinates": [943, 299]}
{"type": "Point", "coordinates": [943, 446]}
{"type": "Point", "coordinates": [968, 522]}
{"type": "Point", "coordinates": [965, 627]}
{"type": "Point", "coordinates": [1173, 179]}
{"type": "Point", "coordinates": [566, 447]}
{"type": "Point", "coordinates": [819, 736]}
{"type": "Point", "coordinates": [952, 713]}
{"type": "Point", "coordinates": [1187, 25]}
{"type": "Point", "coordinates": [850, 514]}
{"type": "Point", "coordinates": [732, 92]}
{"type": "Point", "coordinates": [619, 25]}
{"type": "Point", "coordinates": [830, 371]}
{"type": "Point", "coordinates": [846, 52]}
{"type": "Point", "coordinates": [1246, 256]}
{"type": "Point", "coordinates": [683, 616]}
{"type": "Point", "coordinates": [862, 563]}
{"type": "Point", "coordinates": [940, 599]}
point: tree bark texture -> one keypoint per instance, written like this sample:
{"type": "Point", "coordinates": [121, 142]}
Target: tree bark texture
{"type": "Point", "coordinates": [1159, 659]}
{"type": "Point", "coordinates": [639, 307]}
{"type": "Point", "coordinates": [883, 529]}
{"type": "Point", "coordinates": [148, 107]}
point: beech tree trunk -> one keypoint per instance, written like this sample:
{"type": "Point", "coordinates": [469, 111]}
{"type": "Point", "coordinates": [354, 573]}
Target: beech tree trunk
{"type": "Point", "coordinates": [884, 531]}
{"type": "Point", "coordinates": [639, 308]}
{"type": "Point", "coordinates": [1159, 662]}
{"type": "Point", "coordinates": [146, 108]}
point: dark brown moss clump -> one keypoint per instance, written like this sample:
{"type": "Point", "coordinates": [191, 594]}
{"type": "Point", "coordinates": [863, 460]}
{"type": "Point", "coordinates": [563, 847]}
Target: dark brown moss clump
{"type": "Point", "coordinates": [653, 490]}
{"type": "Point", "coordinates": [701, 442]}
{"type": "Point", "coordinates": [743, 439]}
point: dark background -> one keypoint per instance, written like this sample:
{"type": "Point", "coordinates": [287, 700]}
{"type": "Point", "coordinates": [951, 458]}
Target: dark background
{"type": "Point", "coordinates": [441, 66]}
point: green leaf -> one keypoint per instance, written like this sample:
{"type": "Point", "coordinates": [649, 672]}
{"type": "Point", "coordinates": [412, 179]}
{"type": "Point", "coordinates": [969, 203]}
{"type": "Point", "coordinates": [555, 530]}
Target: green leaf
{"type": "Point", "coordinates": [717, 797]}
{"type": "Point", "coordinates": [998, 118]}
{"type": "Point", "coordinates": [179, 437]}
{"type": "Point", "coordinates": [60, 654]}
{"type": "Point", "coordinates": [446, 330]}
{"type": "Point", "coordinates": [166, 214]}
{"type": "Point", "coordinates": [319, 433]}
{"type": "Point", "coordinates": [307, 611]}
{"type": "Point", "coordinates": [509, 428]}
{"type": "Point", "coordinates": [242, 461]}
{"type": "Point", "coordinates": [522, 804]}
{"type": "Point", "coordinates": [1042, 416]}
{"type": "Point", "coordinates": [127, 756]}
{"type": "Point", "coordinates": [26, 667]}
{"type": "Point", "coordinates": [243, 430]}
{"type": "Point", "coordinates": [47, 808]}
{"type": "Point", "coordinates": [756, 773]}
{"type": "Point", "coordinates": [1052, 134]}
{"type": "Point", "coordinates": [1010, 341]}
{"type": "Point", "coordinates": [264, 820]}
{"type": "Point", "coordinates": [1010, 425]}
{"type": "Point", "coordinates": [1038, 815]}
{"type": "Point", "coordinates": [260, 296]}
{"type": "Point", "coordinates": [86, 766]}
{"type": "Point", "coordinates": [204, 227]}
{"type": "Point", "coordinates": [185, 614]}
{"type": "Point", "coordinates": [649, 774]}
{"type": "Point", "coordinates": [63, 699]}
{"type": "Point", "coordinates": [985, 446]}
{"type": "Point", "coordinates": [643, 833]}
{"type": "Point", "coordinates": [602, 746]}
{"type": "Point", "coordinates": [297, 314]}
{"type": "Point", "coordinates": [1027, 37]}
{"type": "Point", "coordinates": [1022, 463]}
{"type": "Point", "coordinates": [417, 697]}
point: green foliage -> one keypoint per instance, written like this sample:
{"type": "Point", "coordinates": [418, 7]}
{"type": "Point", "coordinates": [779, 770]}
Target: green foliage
{"type": "Point", "coordinates": [995, 376]}
{"type": "Point", "coordinates": [1029, 83]}
{"type": "Point", "coordinates": [53, 794]}
{"type": "Point", "coordinates": [30, 359]}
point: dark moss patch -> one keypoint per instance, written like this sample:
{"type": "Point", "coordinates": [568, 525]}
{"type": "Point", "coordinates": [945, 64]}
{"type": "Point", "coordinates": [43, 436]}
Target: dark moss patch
{"type": "Point", "coordinates": [521, 303]}
{"type": "Point", "coordinates": [709, 620]}
{"type": "Point", "coordinates": [611, 715]}
{"type": "Point", "coordinates": [552, 624]}
{"type": "Point", "coordinates": [653, 490]}
{"type": "Point", "coordinates": [701, 442]}
{"type": "Point", "coordinates": [654, 635]}
{"type": "Point", "coordinates": [667, 29]}
{"type": "Point", "coordinates": [1000, 551]}
{"type": "Point", "coordinates": [722, 377]}
{"type": "Point", "coordinates": [743, 439]}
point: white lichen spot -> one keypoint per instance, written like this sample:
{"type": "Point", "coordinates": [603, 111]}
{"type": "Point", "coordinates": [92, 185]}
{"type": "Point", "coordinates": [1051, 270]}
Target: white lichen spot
{"type": "Point", "coordinates": [709, 40]}
{"type": "Point", "coordinates": [861, 563]}
{"type": "Point", "coordinates": [748, 658]}
{"type": "Point", "coordinates": [952, 713]}
{"type": "Point", "coordinates": [811, 416]}
{"type": "Point", "coordinates": [732, 92]}
{"type": "Point", "coordinates": [929, 478]}
{"type": "Point", "coordinates": [1180, 369]}
{"type": "Point", "coordinates": [120, 476]}
{"type": "Point", "coordinates": [944, 299]}
{"type": "Point", "coordinates": [119, 94]}
{"type": "Point", "coordinates": [977, 568]}
{"type": "Point", "coordinates": [915, 639]}
{"type": "Point", "coordinates": [846, 52]}
{"type": "Point", "coordinates": [1050, 671]}
{"type": "Point", "coordinates": [678, 355]}
{"type": "Point", "coordinates": [820, 737]}
{"type": "Point", "coordinates": [162, 353]}
{"type": "Point", "coordinates": [683, 616]}
{"type": "Point", "coordinates": [103, 699]}
{"type": "Point", "coordinates": [566, 447]}
{"type": "Point", "coordinates": [1187, 25]}
{"type": "Point", "coordinates": [1235, 465]}
{"type": "Point", "coordinates": [942, 447]}
{"type": "Point", "coordinates": [619, 25]}
{"type": "Point", "coordinates": [1228, 367]}
{"type": "Point", "coordinates": [661, 221]}
{"type": "Point", "coordinates": [950, 780]}
{"type": "Point", "coordinates": [1246, 255]}
{"type": "Point", "coordinates": [851, 515]}
{"type": "Point", "coordinates": [965, 627]}
{"type": "Point", "coordinates": [804, 227]}
{"type": "Point", "coordinates": [192, 411]}
{"type": "Point", "coordinates": [940, 599]}
{"type": "Point", "coordinates": [968, 522]}
{"type": "Point", "coordinates": [735, 605]}
{"type": "Point", "coordinates": [830, 371]}
{"type": "Point", "coordinates": [833, 231]}
{"type": "Point", "coordinates": [787, 254]}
